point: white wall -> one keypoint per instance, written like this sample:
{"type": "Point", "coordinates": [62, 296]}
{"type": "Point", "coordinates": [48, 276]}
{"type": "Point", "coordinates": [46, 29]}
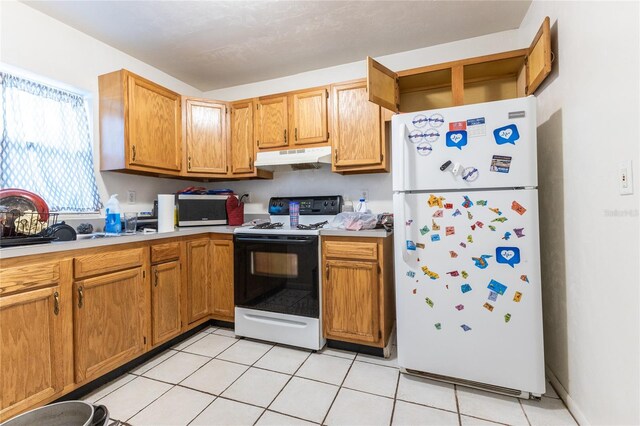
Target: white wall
{"type": "Point", "coordinates": [46, 47]}
{"type": "Point", "coordinates": [588, 122]}
{"type": "Point", "coordinates": [323, 181]}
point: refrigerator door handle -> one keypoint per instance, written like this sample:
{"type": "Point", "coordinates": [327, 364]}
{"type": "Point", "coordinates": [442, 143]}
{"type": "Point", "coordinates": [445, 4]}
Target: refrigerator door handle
{"type": "Point", "coordinates": [399, 208]}
{"type": "Point", "coordinates": [403, 166]}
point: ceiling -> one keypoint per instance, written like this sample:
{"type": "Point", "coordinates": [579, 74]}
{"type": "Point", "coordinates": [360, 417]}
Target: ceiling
{"type": "Point", "coordinates": [216, 44]}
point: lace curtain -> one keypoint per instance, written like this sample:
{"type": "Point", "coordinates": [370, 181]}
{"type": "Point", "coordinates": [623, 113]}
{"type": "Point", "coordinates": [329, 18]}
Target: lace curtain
{"type": "Point", "coordinates": [46, 145]}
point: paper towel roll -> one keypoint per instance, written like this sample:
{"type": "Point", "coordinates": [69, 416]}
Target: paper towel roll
{"type": "Point", "coordinates": [166, 208]}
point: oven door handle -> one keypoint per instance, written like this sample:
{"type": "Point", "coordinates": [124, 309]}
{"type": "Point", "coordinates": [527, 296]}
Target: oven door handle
{"type": "Point", "coordinates": [275, 240]}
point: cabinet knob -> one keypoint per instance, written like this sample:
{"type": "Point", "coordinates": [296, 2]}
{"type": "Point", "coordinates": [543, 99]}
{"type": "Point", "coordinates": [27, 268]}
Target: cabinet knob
{"type": "Point", "coordinates": [295, 133]}
{"type": "Point", "coordinates": [285, 136]}
{"type": "Point", "coordinates": [155, 275]}
{"type": "Point", "coordinates": [335, 156]}
{"type": "Point", "coordinates": [133, 153]}
{"type": "Point", "coordinates": [189, 163]}
{"type": "Point", "coordinates": [326, 268]}
{"type": "Point", "coordinates": [250, 163]}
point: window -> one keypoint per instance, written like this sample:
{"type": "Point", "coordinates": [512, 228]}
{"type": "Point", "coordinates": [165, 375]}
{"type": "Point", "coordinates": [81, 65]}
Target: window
{"type": "Point", "coordinates": [46, 145]}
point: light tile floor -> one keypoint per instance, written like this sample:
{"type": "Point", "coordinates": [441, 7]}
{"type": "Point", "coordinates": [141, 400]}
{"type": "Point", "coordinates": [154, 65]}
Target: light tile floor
{"type": "Point", "coordinates": [212, 378]}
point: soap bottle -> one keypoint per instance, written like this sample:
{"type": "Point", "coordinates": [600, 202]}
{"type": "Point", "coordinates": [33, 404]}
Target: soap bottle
{"type": "Point", "coordinates": [112, 224]}
{"type": "Point", "coordinates": [362, 206]}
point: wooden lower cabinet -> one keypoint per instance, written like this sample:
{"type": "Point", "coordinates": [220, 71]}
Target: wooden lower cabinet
{"type": "Point", "coordinates": [165, 301]}
{"type": "Point", "coordinates": [351, 300]}
{"type": "Point", "coordinates": [222, 302]}
{"type": "Point", "coordinates": [357, 289]}
{"type": "Point", "coordinates": [31, 354]}
{"type": "Point", "coordinates": [108, 322]}
{"type": "Point", "coordinates": [197, 279]}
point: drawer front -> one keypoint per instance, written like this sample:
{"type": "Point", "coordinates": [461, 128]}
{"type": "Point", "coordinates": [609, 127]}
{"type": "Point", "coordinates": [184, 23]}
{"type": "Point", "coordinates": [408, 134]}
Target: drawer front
{"type": "Point", "coordinates": [101, 263]}
{"type": "Point", "coordinates": [28, 276]}
{"type": "Point", "coordinates": [165, 252]}
{"type": "Point", "coordinates": [351, 250]}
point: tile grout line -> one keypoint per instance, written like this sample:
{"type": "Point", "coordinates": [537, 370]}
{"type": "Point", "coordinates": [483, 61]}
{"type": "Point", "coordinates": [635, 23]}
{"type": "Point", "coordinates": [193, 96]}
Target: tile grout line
{"type": "Point", "coordinates": [159, 396]}
{"type": "Point", "coordinates": [523, 411]}
{"type": "Point", "coordinates": [395, 399]}
{"type": "Point", "coordinates": [339, 389]}
{"type": "Point", "coordinates": [455, 393]}
{"type": "Point", "coordinates": [285, 385]}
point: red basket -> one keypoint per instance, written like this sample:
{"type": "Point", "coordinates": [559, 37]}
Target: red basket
{"type": "Point", "coordinates": [235, 211]}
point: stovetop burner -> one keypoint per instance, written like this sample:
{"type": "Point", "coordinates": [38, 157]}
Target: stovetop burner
{"type": "Point", "coordinates": [268, 225]}
{"type": "Point", "coordinates": [313, 226]}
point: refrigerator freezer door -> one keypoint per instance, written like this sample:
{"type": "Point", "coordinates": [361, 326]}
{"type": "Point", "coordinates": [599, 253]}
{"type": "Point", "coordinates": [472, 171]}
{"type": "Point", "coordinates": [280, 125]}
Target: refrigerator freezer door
{"type": "Point", "coordinates": [468, 286]}
{"type": "Point", "coordinates": [479, 146]}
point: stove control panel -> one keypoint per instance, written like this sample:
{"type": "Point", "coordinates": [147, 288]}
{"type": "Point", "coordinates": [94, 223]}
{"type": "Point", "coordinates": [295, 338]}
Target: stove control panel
{"type": "Point", "coordinates": [321, 205]}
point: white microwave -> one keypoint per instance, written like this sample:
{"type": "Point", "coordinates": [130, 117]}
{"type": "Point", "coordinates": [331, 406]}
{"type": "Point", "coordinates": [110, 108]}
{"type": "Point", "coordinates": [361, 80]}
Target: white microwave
{"type": "Point", "coordinates": [201, 210]}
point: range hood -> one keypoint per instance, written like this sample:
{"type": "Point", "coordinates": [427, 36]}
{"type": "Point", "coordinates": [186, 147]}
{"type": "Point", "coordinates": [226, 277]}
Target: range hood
{"type": "Point", "coordinates": [297, 159]}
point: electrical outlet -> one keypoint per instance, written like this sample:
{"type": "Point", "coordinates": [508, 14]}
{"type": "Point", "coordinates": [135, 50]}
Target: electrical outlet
{"type": "Point", "coordinates": [625, 178]}
{"type": "Point", "coordinates": [247, 199]}
{"type": "Point", "coordinates": [131, 197]}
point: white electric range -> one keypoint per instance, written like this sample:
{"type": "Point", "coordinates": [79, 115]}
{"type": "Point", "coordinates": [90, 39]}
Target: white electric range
{"type": "Point", "coordinates": [278, 283]}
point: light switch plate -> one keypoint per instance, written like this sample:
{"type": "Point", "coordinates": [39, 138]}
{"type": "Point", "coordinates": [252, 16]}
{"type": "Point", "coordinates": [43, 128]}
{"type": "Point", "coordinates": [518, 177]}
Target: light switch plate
{"type": "Point", "coordinates": [625, 177]}
{"type": "Point", "coordinates": [131, 197]}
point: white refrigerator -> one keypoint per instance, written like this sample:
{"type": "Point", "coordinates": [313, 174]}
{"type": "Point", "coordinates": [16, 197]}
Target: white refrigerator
{"type": "Point", "coordinates": [467, 252]}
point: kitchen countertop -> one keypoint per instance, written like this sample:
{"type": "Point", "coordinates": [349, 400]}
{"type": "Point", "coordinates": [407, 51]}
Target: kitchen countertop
{"type": "Point", "coordinates": [10, 252]}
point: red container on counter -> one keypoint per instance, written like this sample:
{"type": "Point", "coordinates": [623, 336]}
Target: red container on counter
{"type": "Point", "coordinates": [235, 211]}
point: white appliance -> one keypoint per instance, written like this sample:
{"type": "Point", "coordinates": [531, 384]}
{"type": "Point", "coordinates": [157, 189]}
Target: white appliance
{"type": "Point", "coordinates": [469, 307]}
{"type": "Point", "coordinates": [277, 276]}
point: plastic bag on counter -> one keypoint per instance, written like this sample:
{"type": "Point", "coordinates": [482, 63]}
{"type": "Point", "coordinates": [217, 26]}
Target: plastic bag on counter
{"type": "Point", "coordinates": [353, 221]}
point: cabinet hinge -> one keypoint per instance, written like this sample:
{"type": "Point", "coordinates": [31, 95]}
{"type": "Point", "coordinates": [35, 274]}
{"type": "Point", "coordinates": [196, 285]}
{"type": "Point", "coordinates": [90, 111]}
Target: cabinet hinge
{"type": "Point", "coordinates": [379, 334]}
{"type": "Point", "coordinates": [257, 106]}
{"type": "Point", "coordinates": [144, 340]}
{"type": "Point", "coordinates": [328, 135]}
{"type": "Point", "coordinates": [526, 60]}
{"type": "Point", "coordinates": [144, 274]}
{"type": "Point", "coordinates": [379, 269]}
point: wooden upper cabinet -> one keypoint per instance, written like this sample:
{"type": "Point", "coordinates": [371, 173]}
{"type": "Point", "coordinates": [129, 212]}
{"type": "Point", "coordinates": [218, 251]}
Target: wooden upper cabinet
{"type": "Point", "coordinates": [108, 320]}
{"type": "Point", "coordinates": [272, 122]}
{"type": "Point", "coordinates": [206, 139]}
{"type": "Point", "coordinates": [222, 297]}
{"type": "Point", "coordinates": [487, 78]}
{"type": "Point", "coordinates": [357, 139]}
{"type": "Point", "coordinates": [165, 301]}
{"type": "Point", "coordinates": [140, 125]}
{"type": "Point", "coordinates": [242, 140]}
{"type": "Point", "coordinates": [310, 117]}
{"type": "Point", "coordinates": [197, 279]}
{"type": "Point", "coordinates": [382, 86]}
{"type": "Point", "coordinates": [538, 60]}
{"type": "Point", "coordinates": [31, 325]}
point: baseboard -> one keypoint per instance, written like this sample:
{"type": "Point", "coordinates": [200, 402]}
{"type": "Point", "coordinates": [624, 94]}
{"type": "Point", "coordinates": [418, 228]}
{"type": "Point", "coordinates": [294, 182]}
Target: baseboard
{"type": "Point", "coordinates": [564, 395]}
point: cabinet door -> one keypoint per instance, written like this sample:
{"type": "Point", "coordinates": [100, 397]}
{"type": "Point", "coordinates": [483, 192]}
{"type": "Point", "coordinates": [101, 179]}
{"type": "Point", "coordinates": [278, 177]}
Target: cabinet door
{"type": "Point", "coordinates": [310, 117]}
{"type": "Point", "coordinates": [31, 344]}
{"type": "Point", "coordinates": [357, 136]}
{"type": "Point", "coordinates": [154, 125]}
{"type": "Point", "coordinates": [350, 301]}
{"type": "Point", "coordinates": [165, 301]}
{"type": "Point", "coordinates": [108, 322]}
{"type": "Point", "coordinates": [272, 122]}
{"type": "Point", "coordinates": [382, 85]}
{"type": "Point", "coordinates": [222, 305]}
{"type": "Point", "coordinates": [198, 280]}
{"type": "Point", "coordinates": [206, 137]}
{"type": "Point", "coordinates": [242, 142]}
{"type": "Point", "coordinates": [538, 60]}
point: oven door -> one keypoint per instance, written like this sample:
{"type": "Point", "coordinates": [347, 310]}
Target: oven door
{"type": "Point", "coordinates": [277, 273]}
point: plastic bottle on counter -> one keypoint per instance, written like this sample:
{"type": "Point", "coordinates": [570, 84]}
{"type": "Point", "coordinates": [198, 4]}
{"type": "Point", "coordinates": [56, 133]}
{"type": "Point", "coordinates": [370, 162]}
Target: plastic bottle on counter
{"type": "Point", "coordinates": [112, 224]}
{"type": "Point", "coordinates": [362, 206]}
